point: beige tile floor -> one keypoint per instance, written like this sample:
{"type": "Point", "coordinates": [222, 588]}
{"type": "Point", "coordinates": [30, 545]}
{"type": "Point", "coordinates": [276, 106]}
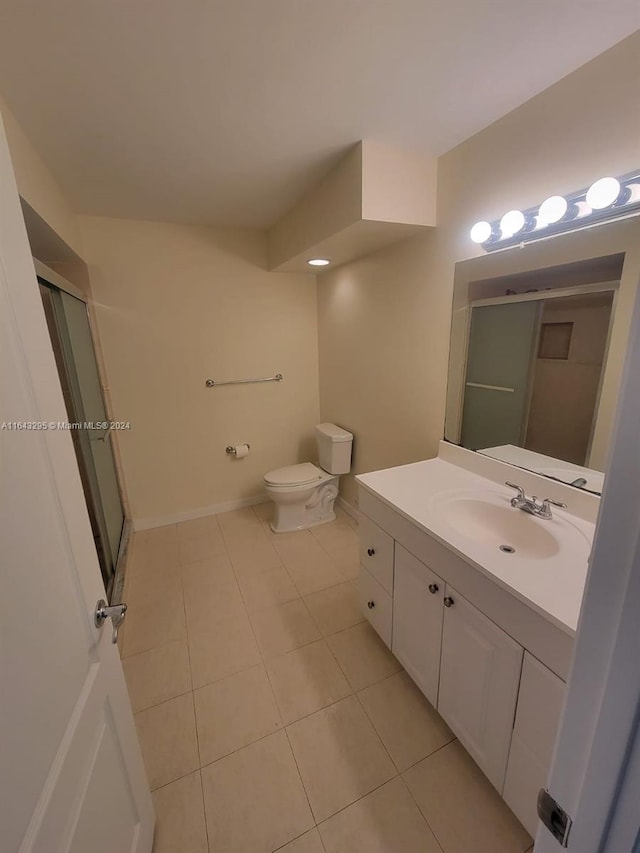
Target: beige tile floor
{"type": "Point", "coordinates": [270, 715]}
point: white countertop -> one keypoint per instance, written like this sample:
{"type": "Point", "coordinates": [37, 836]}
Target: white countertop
{"type": "Point", "coordinates": [552, 585]}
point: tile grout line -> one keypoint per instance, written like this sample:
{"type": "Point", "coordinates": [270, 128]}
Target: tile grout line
{"type": "Point", "coordinates": [162, 701]}
{"type": "Point", "coordinates": [204, 812]}
{"type": "Point", "coordinates": [424, 757]}
{"type": "Point", "coordinates": [193, 703]}
{"type": "Point", "coordinates": [286, 844]}
{"type": "Point", "coordinates": [173, 781]}
{"type": "Point", "coordinates": [375, 731]}
{"type": "Point", "coordinates": [364, 687]}
{"type": "Point", "coordinates": [284, 729]}
{"type": "Point", "coordinates": [304, 787]}
{"type": "Point", "coordinates": [454, 739]}
{"type": "Point", "coordinates": [349, 805]}
{"type": "Point", "coordinates": [424, 817]}
{"type": "Point", "coordinates": [431, 754]}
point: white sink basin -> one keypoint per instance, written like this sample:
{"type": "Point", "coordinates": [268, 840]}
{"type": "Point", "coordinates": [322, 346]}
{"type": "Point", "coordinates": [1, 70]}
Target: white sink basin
{"type": "Point", "coordinates": [490, 520]}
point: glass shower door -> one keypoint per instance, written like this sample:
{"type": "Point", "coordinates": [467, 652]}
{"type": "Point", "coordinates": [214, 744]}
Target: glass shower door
{"type": "Point", "coordinates": [498, 380]}
{"type": "Point", "coordinates": [77, 365]}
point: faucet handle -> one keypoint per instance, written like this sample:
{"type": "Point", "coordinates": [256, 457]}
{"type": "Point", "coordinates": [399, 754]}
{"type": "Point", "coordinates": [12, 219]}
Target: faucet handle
{"type": "Point", "coordinates": [519, 489]}
{"type": "Point", "coordinates": [547, 501]}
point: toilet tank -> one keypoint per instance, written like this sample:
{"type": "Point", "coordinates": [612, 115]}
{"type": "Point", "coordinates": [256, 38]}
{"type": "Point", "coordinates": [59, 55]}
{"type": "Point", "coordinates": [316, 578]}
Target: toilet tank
{"type": "Point", "coordinates": [334, 448]}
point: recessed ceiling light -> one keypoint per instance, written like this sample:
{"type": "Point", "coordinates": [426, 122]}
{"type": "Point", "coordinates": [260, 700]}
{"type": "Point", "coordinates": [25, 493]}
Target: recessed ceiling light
{"type": "Point", "coordinates": [319, 262]}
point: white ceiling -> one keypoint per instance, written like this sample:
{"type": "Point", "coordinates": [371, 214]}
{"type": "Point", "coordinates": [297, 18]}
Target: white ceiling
{"type": "Point", "coordinates": [225, 111]}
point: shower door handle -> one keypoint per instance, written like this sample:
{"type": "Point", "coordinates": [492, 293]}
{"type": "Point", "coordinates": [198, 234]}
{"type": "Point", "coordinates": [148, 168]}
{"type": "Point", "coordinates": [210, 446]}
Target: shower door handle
{"type": "Point", "coordinates": [105, 433]}
{"type": "Point", "coordinates": [116, 613]}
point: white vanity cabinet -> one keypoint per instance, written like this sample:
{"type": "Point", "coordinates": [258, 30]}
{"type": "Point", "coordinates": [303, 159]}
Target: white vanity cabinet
{"type": "Point", "coordinates": [417, 621]}
{"type": "Point", "coordinates": [479, 677]}
{"type": "Point", "coordinates": [471, 648]}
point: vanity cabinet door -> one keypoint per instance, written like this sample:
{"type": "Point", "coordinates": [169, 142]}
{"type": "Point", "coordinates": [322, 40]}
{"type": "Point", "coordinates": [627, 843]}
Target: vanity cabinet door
{"type": "Point", "coordinates": [479, 678]}
{"type": "Point", "coordinates": [540, 701]}
{"type": "Point", "coordinates": [417, 621]}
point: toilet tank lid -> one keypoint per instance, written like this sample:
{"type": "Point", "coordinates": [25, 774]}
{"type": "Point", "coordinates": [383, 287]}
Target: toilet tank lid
{"type": "Point", "coordinates": [333, 432]}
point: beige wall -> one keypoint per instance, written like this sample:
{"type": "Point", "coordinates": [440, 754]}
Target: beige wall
{"type": "Point", "coordinates": [384, 322]}
{"type": "Point", "coordinates": [177, 305]}
{"type": "Point", "coordinates": [37, 185]}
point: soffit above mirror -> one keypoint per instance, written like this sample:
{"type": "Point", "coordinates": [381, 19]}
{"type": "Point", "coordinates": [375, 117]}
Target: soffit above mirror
{"type": "Point", "coordinates": [375, 196]}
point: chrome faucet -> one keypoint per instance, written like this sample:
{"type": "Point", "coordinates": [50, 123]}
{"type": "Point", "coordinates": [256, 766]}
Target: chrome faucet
{"type": "Point", "coordinates": [531, 505]}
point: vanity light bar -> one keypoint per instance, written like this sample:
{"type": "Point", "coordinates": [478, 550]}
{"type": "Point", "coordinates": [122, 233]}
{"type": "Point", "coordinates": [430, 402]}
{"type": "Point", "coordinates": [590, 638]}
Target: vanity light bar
{"type": "Point", "coordinates": [607, 198]}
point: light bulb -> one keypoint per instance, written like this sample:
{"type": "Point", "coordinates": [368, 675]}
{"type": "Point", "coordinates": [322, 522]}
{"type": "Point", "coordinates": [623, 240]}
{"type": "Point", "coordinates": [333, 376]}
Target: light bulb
{"type": "Point", "coordinates": [318, 262]}
{"type": "Point", "coordinates": [511, 223]}
{"type": "Point", "coordinates": [480, 232]}
{"type": "Point", "coordinates": [552, 210]}
{"type": "Point", "coordinates": [603, 193]}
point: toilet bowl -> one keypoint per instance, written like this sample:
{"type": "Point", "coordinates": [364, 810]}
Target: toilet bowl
{"type": "Point", "coordinates": [304, 494]}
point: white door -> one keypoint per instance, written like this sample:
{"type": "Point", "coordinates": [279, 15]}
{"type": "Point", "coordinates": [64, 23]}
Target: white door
{"type": "Point", "coordinates": [417, 621]}
{"type": "Point", "coordinates": [479, 677]}
{"type": "Point", "coordinates": [595, 775]}
{"type": "Point", "coordinates": [71, 774]}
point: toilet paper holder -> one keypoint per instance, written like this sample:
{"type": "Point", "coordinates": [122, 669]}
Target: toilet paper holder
{"type": "Point", "coordinates": [233, 449]}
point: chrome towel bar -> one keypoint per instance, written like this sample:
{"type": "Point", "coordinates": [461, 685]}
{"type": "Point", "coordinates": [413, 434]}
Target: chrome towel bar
{"type": "Point", "coordinates": [489, 387]}
{"type": "Point", "coordinates": [213, 383]}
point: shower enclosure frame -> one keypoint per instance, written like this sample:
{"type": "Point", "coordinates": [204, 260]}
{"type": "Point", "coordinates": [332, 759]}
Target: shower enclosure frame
{"type": "Point", "coordinates": [110, 532]}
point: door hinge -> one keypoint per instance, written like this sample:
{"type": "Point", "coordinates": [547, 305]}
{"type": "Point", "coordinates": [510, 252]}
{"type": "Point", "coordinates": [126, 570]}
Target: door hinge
{"type": "Point", "coordinates": [554, 817]}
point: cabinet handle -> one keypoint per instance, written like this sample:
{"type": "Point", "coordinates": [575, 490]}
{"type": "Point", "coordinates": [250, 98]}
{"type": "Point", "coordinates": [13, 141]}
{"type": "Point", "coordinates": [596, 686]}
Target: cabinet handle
{"type": "Point", "coordinates": [371, 604]}
{"type": "Point", "coordinates": [371, 551]}
{"type": "Point", "coordinates": [448, 601]}
{"type": "Point", "coordinates": [433, 588]}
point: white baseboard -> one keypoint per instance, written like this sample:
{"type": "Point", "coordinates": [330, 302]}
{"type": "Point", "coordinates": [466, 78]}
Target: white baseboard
{"type": "Point", "coordinates": [348, 508]}
{"type": "Point", "coordinates": [188, 515]}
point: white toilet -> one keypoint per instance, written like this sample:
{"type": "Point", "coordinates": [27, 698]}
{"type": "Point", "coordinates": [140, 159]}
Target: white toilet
{"type": "Point", "coordinates": [304, 494]}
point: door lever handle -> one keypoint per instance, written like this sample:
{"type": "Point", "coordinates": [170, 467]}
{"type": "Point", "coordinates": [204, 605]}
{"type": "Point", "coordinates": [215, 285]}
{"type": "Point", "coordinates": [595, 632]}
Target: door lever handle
{"type": "Point", "coordinates": [116, 613]}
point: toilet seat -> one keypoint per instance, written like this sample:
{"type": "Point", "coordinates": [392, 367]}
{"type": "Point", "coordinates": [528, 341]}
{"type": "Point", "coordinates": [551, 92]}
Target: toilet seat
{"type": "Point", "coordinates": [304, 474]}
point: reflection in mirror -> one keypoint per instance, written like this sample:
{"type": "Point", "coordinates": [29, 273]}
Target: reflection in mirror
{"type": "Point", "coordinates": [537, 347]}
{"type": "Point", "coordinates": [533, 374]}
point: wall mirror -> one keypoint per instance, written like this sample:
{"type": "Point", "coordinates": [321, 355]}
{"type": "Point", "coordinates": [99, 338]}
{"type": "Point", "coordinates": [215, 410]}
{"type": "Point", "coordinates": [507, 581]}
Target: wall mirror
{"type": "Point", "coordinates": [538, 340]}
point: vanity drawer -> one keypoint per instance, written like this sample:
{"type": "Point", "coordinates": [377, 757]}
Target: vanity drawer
{"type": "Point", "coordinates": [376, 552]}
{"type": "Point", "coordinates": [376, 604]}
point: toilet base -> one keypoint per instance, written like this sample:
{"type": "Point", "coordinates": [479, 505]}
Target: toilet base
{"type": "Point", "coordinates": [284, 529]}
{"type": "Point", "coordinates": [311, 511]}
